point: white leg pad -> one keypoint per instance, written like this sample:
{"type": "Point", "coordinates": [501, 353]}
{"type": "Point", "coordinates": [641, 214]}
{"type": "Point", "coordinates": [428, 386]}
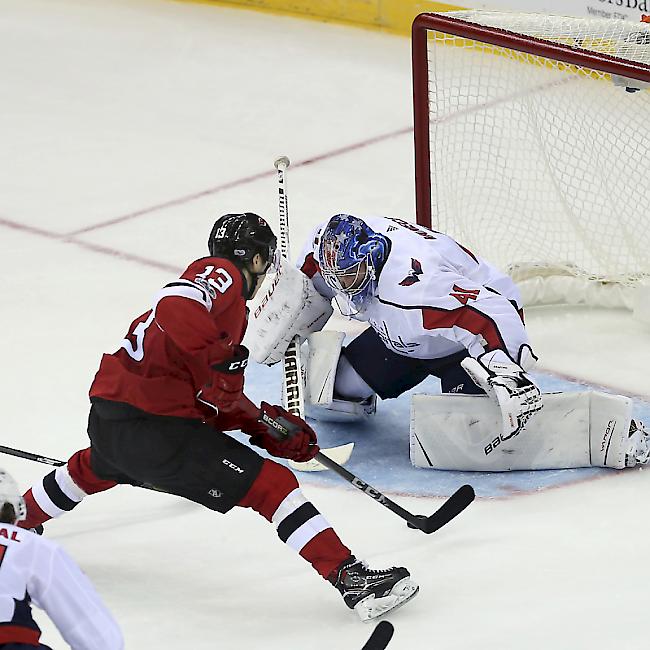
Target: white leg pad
{"type": "Point", "coordinates": [322, 361]}
{"type": "Point", "coordinates": [461, 432]}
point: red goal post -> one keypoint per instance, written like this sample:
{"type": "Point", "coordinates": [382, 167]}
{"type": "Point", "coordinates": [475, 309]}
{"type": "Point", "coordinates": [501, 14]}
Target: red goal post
{"type": "Point", "coordinates": [532, 146]}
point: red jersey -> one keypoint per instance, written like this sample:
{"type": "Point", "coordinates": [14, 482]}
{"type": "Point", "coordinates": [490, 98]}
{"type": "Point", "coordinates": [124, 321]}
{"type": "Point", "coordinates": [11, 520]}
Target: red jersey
{"type": "Point", "coordinates": [165, 359]}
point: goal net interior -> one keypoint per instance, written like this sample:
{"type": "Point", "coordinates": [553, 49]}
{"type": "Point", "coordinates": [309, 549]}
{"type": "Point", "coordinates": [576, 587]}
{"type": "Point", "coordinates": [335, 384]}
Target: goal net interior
{"type": "Point", "coordinates": [533, 149]}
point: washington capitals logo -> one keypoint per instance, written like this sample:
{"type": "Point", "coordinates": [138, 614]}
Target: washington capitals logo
{"type": "Point", "coordinates": [412, 277]}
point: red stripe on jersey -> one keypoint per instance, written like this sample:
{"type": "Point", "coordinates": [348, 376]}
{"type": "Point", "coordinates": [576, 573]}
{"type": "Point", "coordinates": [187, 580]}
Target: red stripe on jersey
{"type": "Point", "coordinates": [310, 266]}
{"type": "Point", "coordinates": [469, 252]}
{"type": "Point", "coordinates": [17, 634]}
{"type": "Point", "coordinates": [468, 319]}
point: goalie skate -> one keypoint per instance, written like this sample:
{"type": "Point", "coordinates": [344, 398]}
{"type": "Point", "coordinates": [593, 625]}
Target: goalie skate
{"type": "Point", "coordinates": [639, 445]}
{"type": "Point", "coordinates": [373, 593]}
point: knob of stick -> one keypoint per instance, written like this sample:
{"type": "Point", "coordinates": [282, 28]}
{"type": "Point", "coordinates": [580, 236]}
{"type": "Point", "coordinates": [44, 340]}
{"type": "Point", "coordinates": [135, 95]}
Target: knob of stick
{"type": "Point", "coordinates": [282, 162]}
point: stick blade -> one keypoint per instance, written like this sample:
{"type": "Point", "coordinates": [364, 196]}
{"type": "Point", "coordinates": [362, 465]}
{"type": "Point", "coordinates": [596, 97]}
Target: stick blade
{"type": "Point", "coordinates": [282, 162]}
{"type": "Point", "coordinates": [339, 455]}
{"type": "Point", "coordinates": [380, 637]}
{"type": "Point", "coordinates": [450, 509]}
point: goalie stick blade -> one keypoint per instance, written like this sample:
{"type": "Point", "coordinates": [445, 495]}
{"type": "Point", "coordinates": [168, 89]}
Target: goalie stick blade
{"type": "Point", "coordinates": [340, 455]}
{"type": "Point", "coordinates": [380, 637]}
{"type": "Point", "coordinates": [450, 509]}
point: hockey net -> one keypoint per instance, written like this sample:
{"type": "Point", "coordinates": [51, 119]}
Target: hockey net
{"type": "Point", "coordinates": [532, 148]}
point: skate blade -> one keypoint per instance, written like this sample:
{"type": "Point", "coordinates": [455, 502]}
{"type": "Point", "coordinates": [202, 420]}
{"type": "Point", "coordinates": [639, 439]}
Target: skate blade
{"type": "Point", "coordinates": [372, 607]}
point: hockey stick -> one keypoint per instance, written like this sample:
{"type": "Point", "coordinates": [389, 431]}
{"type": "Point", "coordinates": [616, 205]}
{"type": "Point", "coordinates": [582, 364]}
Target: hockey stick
{"type": "Point", "coordinates": [292, 375]}
{"type": "Point", "coordinates": [380, 637]}
{"type": "Point", "coordinates": [452, 507]}
{"type": "Point", "coordinates": [27, 455]}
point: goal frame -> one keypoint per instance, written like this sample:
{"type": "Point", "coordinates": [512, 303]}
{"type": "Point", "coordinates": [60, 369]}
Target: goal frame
{"type": "Point", "coordinates": [426, 22]}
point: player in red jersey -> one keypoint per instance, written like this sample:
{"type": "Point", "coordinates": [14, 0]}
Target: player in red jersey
{"type": "Point", "coordinates": [160, 406]}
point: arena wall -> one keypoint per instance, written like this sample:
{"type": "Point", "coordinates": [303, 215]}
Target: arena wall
{"type": "Point", "coordinates": [397, 15]}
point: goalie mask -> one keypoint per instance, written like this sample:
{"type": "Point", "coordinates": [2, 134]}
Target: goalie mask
{"type": "Point", "coordinates": [351, 256]}
{"type": "Point", "coordinates": [10, 494]}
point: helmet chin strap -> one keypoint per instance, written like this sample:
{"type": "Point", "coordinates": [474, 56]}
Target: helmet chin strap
{"type": "Point", "coordinates": [253, 276]}
{"type": "Point", "coordinates": [251, 279]}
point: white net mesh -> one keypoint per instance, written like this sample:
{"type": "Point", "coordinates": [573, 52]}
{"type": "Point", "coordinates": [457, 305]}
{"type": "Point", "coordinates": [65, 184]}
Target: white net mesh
{"type": "Point", "coordinates": [540, 166]}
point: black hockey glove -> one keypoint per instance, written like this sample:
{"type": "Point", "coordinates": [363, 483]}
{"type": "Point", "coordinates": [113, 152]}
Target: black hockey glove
{"type": "Point", "coordinates": [224, 391]}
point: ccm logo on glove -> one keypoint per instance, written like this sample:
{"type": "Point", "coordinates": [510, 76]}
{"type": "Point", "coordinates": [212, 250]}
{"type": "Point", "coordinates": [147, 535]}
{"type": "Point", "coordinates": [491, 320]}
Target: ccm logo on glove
{"type": "Point", "coordinates": [237, 363]}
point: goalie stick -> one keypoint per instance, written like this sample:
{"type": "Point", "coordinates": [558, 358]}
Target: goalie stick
{"type": "Point", "coordinates": [380, 637]}
{"type": "Point", "coordinates": [292, 375]}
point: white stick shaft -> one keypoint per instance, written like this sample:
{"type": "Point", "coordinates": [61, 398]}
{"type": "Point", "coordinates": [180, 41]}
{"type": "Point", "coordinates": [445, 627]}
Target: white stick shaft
{"type": "Point", "coordinates": [283, 205]}
{"type": "Point", "coordinates": [292, 375]}
{"type": "Point", "coordinates": [292, 379]}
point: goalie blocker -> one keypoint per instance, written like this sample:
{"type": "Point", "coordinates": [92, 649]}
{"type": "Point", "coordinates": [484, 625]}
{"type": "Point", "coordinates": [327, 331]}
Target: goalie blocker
{"type": "Point", "coordinates": [585, 429]}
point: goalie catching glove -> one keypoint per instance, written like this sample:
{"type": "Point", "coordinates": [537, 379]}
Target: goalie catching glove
{"type": "Point", "coordinates": [501, 378]}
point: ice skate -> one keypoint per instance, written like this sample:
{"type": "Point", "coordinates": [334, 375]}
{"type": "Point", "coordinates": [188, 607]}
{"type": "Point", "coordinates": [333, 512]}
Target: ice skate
{"type": "Point", "coordinates": [373, 593]}
{"type": "Point", "coordinates": [639, 445]}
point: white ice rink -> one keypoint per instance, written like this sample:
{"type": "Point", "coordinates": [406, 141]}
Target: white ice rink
{"type": "Point", "coordinates": [126, 128]}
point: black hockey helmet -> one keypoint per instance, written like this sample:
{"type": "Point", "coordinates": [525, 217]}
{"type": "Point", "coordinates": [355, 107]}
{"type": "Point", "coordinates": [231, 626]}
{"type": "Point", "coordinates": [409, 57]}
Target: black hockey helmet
{"type": "Point", "coordinates": [239, 237]}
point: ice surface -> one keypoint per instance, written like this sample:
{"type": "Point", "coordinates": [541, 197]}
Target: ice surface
{"type": "Point", "coordinates": [126, 128]}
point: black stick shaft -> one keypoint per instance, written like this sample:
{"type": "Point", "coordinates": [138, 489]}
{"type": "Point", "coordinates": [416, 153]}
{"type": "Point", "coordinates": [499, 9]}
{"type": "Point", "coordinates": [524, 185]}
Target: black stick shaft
{"type": "Point", "coordinates": [364, 487]}
{"type": "Point", "coordinates": [29, 456]}
{"type": "Point", "coordinates": [450, 509]}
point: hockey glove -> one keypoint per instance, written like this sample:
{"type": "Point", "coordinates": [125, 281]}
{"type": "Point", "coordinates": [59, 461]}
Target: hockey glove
{"type": "Point", "coordinates": [501, 378]}
{"type": "Point", "coordinates": [224, 390]}
{"type": "Point", "coordinates": [283, 434]}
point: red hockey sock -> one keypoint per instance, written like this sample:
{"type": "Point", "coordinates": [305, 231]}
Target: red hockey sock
{"type": "Point", "coordinates": [275, 494]}
{"type": "Point", "coordinates": [35, 515]}
{"type": "Point", "coordinates": [62, 490]}
{"type": "Point", "coordinates": [83, 475]}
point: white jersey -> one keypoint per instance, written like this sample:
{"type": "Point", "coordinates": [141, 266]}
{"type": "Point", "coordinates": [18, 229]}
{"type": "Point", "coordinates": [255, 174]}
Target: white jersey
{"type": "Point", "coordinates": [433, 297]}
{"type": "Point", "coordinates": [36, 569]}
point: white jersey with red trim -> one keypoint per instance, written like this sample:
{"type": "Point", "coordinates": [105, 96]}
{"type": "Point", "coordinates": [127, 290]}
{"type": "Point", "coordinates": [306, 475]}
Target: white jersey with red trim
{"type": "Point", "coordinates": [433, 297]}
{"type": "Point", "coordinates": [36, 569]}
